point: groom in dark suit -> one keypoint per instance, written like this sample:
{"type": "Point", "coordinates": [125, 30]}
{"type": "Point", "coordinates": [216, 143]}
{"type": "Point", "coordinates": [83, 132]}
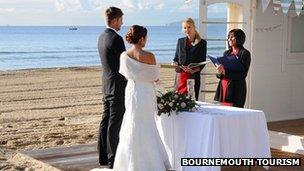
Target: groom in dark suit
{"type": "Point", "coordinates": [110, 46]}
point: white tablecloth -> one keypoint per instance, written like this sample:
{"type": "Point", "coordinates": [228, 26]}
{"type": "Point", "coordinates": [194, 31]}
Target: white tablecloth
{"type": "Point", "coordinates": [214, 131]}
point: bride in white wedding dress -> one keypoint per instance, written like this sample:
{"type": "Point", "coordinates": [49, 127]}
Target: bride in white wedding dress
{"type": "Point", "coordinates": [140, 147]}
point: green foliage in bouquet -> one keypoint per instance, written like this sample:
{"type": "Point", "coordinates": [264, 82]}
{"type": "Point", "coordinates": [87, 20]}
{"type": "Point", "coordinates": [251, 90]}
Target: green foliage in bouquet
{"type": "Point", "coordinates": [174, 101]}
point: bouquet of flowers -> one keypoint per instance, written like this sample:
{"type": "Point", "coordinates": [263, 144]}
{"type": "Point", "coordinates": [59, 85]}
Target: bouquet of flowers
{"type": "Point", "coordinates": [174, 101]}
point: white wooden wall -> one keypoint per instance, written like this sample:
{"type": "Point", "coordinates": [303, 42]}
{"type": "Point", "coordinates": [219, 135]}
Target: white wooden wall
{"type": "Point", "coordinates": [277, 80]}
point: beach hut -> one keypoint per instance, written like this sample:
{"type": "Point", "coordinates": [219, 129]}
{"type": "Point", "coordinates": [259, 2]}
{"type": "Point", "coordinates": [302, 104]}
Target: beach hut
{"type": "Point", "coordinates": [275, 39]}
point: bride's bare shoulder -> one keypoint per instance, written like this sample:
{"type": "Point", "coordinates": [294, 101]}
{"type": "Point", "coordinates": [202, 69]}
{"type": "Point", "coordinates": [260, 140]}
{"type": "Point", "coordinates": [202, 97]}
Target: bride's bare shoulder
{"type": "Point", "coordinates": [148, 58]}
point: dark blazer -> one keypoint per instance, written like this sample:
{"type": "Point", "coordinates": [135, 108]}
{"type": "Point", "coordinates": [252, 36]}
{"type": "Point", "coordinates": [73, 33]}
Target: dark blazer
{"type": "Point", "coordinates": [236, 88]}
{"type": "Point", "coordinates": [110, 46]}
{"type": "Point", "coordinates": [195, 54]}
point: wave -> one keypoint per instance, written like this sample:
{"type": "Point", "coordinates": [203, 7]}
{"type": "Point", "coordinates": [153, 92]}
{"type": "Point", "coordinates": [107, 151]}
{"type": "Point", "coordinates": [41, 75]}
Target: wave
{"type": "Point", "coordinates": [160, 50]}
{"type": "Point", "coordinates": [77, 50]}
{"type": "Point", "coordinates": [216, 48]}
{"type": "Point", "coordinates": [47, 52]}
{"type": "Point", "coordinates": [173, 50]}
{"type": "Point", "coordinates": [63, 55]}
{"type": "Point", "coordinates": [47, 58]}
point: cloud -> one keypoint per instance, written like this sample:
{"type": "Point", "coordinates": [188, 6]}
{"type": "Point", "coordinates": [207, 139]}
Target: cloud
{"type": "Point", "coordinates": [143, 5]}
{"type": "Point", "coordinates": [7, 9]}
{"type": "Point", "coordinates": [90, 4]}
{"type": "Point", "coordinates": [159, 6]}
{"type": "Point", "coordinates": [185, 7]}
{"type": "Point", "coordinates": [129, 4]}
{"type": "Point", "coordinates": [138, 5]}
{"type": "Point", "coordinates": [72, 5]}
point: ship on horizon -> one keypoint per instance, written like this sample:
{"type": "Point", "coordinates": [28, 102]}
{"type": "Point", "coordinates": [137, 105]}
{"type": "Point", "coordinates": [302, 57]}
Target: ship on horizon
{"type": "Point", "coordinates": [73, 28]}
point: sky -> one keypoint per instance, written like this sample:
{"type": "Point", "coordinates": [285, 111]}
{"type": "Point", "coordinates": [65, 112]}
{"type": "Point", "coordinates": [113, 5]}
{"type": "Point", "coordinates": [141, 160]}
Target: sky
{"type": "Point", "coordinates": [90, 12]}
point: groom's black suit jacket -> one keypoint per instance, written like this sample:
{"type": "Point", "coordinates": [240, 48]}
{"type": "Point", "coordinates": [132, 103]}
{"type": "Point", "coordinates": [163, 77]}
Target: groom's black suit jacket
{"type": "Point", "coordinates": [110, 46]}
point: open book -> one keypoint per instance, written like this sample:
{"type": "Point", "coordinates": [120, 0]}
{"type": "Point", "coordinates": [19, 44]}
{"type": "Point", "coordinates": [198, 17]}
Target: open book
{"type": "Point", "coordinates": [190, 66]}
{"type": "Point", "coordinates": [193, 65]}
{"type": "Point", "coordinates": [230, 63]}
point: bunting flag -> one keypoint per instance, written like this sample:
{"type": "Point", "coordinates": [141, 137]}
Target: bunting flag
{"type": "Point", "coordinates": [276, 5]}
{"type": "Point", "coordinates": [265, 4]}
{"type": "Point", "coordinates": [299, 5]}
{"type": "Point", "coordinates": [285, 4]}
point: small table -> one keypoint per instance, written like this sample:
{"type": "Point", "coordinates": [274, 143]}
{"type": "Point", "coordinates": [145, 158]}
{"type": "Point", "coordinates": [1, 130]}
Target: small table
{"type": "Point", "coordinates": [214, 131]}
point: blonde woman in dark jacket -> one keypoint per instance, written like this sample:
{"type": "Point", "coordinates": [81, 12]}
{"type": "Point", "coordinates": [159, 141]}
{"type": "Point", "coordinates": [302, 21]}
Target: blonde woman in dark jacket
{"type": "Point", "coordinates": [189, 49]}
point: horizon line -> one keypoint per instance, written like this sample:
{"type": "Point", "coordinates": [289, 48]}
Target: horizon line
{"type": "Point", "coordinates": [166, 25]}
{"type": "Point", "coordinates": [79, 26]}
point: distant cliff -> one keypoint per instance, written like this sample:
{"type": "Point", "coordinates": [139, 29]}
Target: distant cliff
{"type": "Point", "coordinates": [178, 23]}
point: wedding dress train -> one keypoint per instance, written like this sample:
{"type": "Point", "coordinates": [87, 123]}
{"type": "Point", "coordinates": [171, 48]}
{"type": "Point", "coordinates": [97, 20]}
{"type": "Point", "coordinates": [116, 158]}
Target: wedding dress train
{"type": "Point", "coordinates": [140, 146]}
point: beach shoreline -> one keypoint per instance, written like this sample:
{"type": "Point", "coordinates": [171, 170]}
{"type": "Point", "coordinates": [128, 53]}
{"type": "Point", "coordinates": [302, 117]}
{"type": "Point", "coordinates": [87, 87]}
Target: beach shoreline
{"type": "Point", "coordinates": [53, 107]}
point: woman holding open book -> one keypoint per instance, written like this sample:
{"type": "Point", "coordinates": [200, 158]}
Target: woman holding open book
{"type": "Point", "coordinates": [190, 49]}
{"type": "Point", "coordinates": [231, 89]}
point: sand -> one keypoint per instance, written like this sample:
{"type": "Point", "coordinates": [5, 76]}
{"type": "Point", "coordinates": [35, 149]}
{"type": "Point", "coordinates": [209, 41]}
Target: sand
{"type": "Point", "coordinates": [41, 108]}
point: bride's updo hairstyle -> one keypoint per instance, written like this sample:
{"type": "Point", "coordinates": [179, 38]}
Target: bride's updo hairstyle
{"type": "Point", "coordinates": [135, 33]}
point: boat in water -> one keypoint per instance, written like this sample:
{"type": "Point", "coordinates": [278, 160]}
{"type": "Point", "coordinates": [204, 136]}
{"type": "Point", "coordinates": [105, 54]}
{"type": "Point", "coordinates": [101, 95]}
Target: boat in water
{"type": "Point", "coordinates": [73, 28]}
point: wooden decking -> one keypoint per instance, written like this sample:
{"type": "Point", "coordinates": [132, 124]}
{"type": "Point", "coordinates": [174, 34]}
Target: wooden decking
{"type": "Point", "coordinates": [75, 158]}
{"type": "Point", "coordinates": [293, 127]}
{"type": "Point", "coordinates": [85, 157]}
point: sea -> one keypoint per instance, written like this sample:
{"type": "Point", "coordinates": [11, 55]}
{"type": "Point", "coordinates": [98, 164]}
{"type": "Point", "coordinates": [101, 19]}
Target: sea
{"type": "Point", "coordinates": [29, 47]}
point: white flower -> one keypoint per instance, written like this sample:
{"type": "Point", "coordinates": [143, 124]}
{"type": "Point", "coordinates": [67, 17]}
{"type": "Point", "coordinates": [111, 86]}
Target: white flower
{"type": "Point", "coordinates": [183, 104]}
{"type": "Point", "coordinates": [170, 104]}
{"type": "Point", "coordinates": [160, 106]}
{"type": "Point", "coordinates": [193, 109]}
{"type": "Point", "coordinates": [176, 96]}
{"type": "Point", "coordinates": [162, 101]}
